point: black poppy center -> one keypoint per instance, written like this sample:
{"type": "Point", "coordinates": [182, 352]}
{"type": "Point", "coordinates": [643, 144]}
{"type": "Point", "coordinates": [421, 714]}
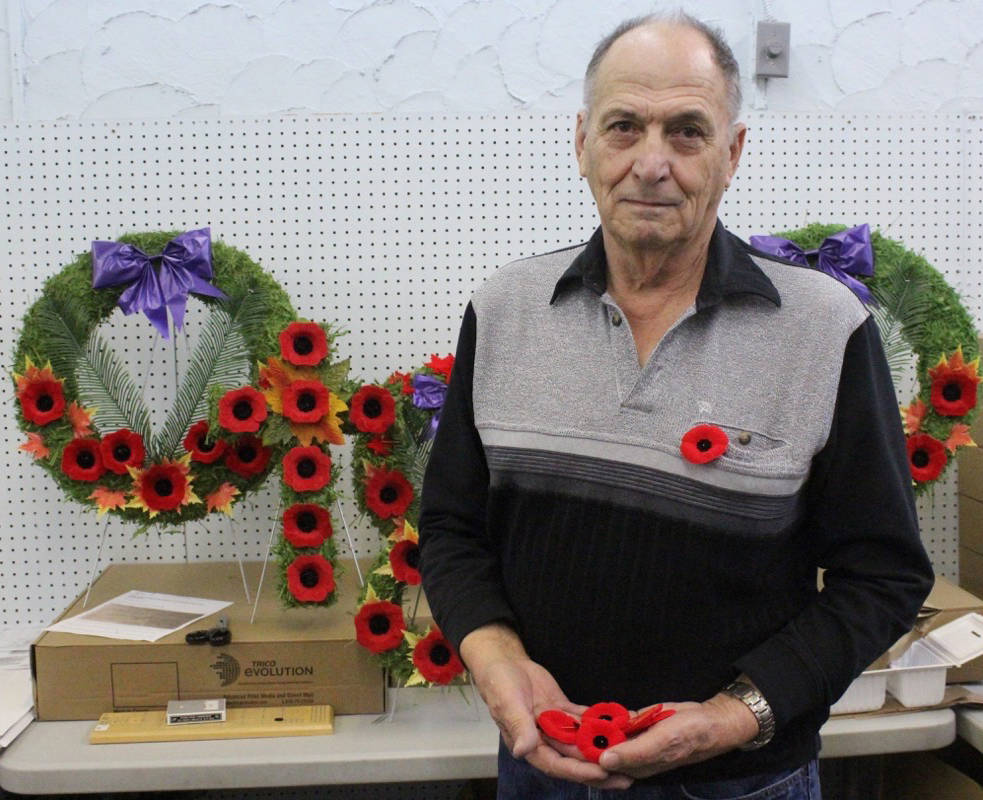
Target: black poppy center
{"type": "Point", "coordinates": [45, 402]}
{"type": "Point", "coordinates": [309, 577]}
{"type": "Point", "coordinates": [306, 467]}
{"type": "Point", "coordinates": [608, 717]}
{"type": "Point", "coordinates": [122, 452]}
{"type": "Point", "coordinates": [440, 654]}
{"type": "Point", "coordinates": [243, 409]}
{"type": "Point", "coordinates": [204, 445]}
{"type": "Point", "coordinates": [388, 494]}
{"type": "Point", "coordinates": [163, 487]}
{"type": "Point", "coordinates": [307, 521]}
{"type": "Point", "coordinates": [306, 401]}
{"type": "Point", "coordinates": [413, 557]}
{"type": "Point", "coordinates": [952, 392]}
{"type": "Point", "coordinates": [303, 345]}
{"type": "Point", "coordinates": [703, 445]}
{"type": "Point", "coordinates": [379, 624]}
{"type": "Point", "coordinates": [85, 459]}
{"type": "Point", "coordinates": [372, 408]}
{"type": "Point", "coordinates": [600, 742]}
{"type": "Point", "coordinates": [920, 459]}
{"type": "Point", "coordinates": [246, 453]}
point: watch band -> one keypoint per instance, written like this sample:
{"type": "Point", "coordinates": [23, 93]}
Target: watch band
{"type": "Point", "coordinates": [748, 694]}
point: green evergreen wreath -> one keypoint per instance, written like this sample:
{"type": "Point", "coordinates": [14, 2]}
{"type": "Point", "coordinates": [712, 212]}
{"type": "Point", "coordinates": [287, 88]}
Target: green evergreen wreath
{"type": "Point", "coordinates": [918, 313]}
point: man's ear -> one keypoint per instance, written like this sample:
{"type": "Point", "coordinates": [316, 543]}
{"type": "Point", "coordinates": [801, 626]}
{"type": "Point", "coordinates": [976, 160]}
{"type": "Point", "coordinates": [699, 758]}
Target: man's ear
{"type": "Point", "coordinates": [738, 134]}
{"type": "Point", "coordinates": [579, 134]}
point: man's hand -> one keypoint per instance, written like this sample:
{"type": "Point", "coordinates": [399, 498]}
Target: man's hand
{"type": "Point", "coordinates": [696, 732]}
{"type": "Point", "coordinates": [516, 690]}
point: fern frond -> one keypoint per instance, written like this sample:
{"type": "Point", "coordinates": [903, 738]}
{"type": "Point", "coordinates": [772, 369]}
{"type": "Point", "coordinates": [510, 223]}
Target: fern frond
{"type": "Point", "coordinates": [904, 309]}
{"type": "Point", "coordinates": [220, 358]}
{"type": "Point", "coordinates": [64, 334]}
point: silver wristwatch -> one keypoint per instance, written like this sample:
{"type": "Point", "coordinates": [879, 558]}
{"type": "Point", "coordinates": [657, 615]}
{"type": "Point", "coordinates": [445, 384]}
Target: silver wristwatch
{"type": "Point", "coordinates": [753, 699]}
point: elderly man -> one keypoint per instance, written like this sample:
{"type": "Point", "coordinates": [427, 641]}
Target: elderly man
{"type": "Point", "coordinates": [650, 444]}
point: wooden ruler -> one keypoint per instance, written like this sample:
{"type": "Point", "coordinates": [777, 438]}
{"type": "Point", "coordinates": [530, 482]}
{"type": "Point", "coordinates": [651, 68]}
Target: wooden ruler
{"type": "Point", "coordinates": [240, 723]}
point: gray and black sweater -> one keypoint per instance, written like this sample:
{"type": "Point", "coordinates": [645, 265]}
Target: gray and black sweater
{"type": "Point", "coordinates": [557, 501]}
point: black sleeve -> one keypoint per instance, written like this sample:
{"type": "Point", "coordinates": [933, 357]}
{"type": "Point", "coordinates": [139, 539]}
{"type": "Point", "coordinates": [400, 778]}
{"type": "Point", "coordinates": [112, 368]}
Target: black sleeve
{"type": "Point", "coordinates": [461, 573]}
{"type": "Point", "coordinates": [863, 527]}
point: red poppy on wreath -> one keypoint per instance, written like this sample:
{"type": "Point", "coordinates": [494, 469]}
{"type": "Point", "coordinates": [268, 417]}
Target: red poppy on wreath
{"type": "Point", "coordinates": [306, 525]}
{"type": "Point", "coordinates": [162, 487]}
{"type": "Point", "coordinates": [303, 344]}
{"type": "Point", "coordinates": [379, 626]}
{"type": "Point", "coordinates": [310, 579]}
{"type": "Point", "coordinates": [373, 409]}
{"type": "Point", "coordinates": [81, 460]}
{"type": "Point", "coordinates": [306, 401]}
{"type": "Point", "coordinates": [380, 445]}
{"type": "Point", "coordinates": [248, 456]}
{"type": "Point", "coordinates": [202, 449]}
{"type": "Point", "coordinates": [442, 366]}
{"type": "Point", "coordinates": [122, 449]}
{"type": "Point", "coordinates": [926, 457]}
{"type": "Point", "coordinates": [306, 469]}
{"type": "Point", "coordinates": [404, 558]}
{"type": "Point", "coordinates": [387, 493]}
{"type": "Point", "coordinates": [703, 443]}
{"type": "Point", "coordinates": [435, 659]}
{"type": "Point", "coordinates": [954, 384]}
{"type": "Point", "coordinates": [42, 401]}
{"type": "Point", "coordinates": [242, 410]}
{"type": "Point", "coordinates": [594, 736]}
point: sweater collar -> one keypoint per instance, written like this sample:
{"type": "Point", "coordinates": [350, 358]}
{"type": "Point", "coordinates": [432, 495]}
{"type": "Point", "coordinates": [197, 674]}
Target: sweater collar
{"type": "Point", "coordinates": [730, 270]}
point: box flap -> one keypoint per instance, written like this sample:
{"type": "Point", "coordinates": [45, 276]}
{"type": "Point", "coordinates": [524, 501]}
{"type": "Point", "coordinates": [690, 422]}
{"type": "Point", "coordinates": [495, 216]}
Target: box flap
{"type": "Point", "coordinates": [958, 641]}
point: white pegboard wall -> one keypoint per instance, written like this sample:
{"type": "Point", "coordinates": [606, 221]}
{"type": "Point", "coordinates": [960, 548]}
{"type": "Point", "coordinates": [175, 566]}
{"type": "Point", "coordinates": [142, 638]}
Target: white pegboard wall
{"type": "Point", "coordinates": [385, 225]}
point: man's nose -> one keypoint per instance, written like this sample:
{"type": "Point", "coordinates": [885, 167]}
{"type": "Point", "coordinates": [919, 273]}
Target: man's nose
{"type": "Point", "coordinates": [652, 159]}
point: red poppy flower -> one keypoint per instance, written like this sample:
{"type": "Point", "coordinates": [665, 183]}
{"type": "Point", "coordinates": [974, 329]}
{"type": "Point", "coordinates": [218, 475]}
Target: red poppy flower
{"type": "Point", "coordinates": [373, 409]}
{"type": "Point", "coordinates": [954, 385]}
{"type": "Point", "coordinates": [647, 719]}
{"type": "Point", "coordinates": [203, 450]}
{"type": "Point", "coordinates": [307, 469]}
{"type": "Point", "coordinates": [442, 366]}
{"type": "Point", "coordinates": [310, 579]}
{"type": "Point", "coordinates": [303, 344]}
{"type": "Point", "coordinates": [387, 493]}
{"type": "Point", "coordinates": [305, 401]}
{"type": "Point", "coordinates": [379, 626]}
{"type": "Point", "coordinates": [594, 736]}
{"type": "Point", "coordinates": [306, 525]}
{"type": "Point", "coordinates": [248, 456]}
{"type": "Point", "coordinates": [81, 460]}
{"type": "Point", "coordinates": [242, 410]}
{"type": "Point", "coordinates": [163, 487]}
{"type": "Point", "coordinates": [926, 457]}
{"type": "Point", "coordinates": [558, 725]}
{"type": "Point", "coordinates": [42, 401]}
{"type": "Point", "coordinates": [120, 450]}
{"type": "Point", "coordinates": [404, 558]}
{"type": "Point", "coordinates": [380, 445]}
{"type": "Point", "coordinates": [703, 443]}
{"type": "Point", "coordinates": [436, 660]}
{"type": "Point", "coordinates": [612, 712]}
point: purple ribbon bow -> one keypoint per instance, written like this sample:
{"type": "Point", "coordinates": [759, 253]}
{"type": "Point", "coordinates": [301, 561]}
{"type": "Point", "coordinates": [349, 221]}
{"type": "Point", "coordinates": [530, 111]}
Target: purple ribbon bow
{"type": "Point", "coordinates": [429, 393]}
{"type": "Point", "coordinates": [185, 266]}
{"type": "Point", "coordinates": [841, 255]}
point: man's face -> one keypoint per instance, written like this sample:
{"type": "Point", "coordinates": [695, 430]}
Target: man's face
{"type": "Point", "coordinates": [658, 148]}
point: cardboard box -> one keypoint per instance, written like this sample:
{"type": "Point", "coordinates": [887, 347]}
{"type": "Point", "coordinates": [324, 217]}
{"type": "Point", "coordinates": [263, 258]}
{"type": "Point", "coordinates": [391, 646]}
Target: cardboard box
{"type": "Point", "coordinates": [301, 656]}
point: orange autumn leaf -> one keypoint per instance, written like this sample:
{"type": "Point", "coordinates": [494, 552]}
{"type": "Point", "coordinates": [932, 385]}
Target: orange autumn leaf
{"type": "Point", "coordinates": [955, 365]}
{"type": "Point", "coordinates": [221, 499]}
{"type": "Point", "coordinates": [327, 429]}
{"type": "Point", "coordinates": [107, 499]}
{"type": "Point", "coordinates": [959, 437]}
{"type": "Point", "coordinates": [913, 416]}
{"type": "Point", "coordinates": [33, 373]}
{"type": "Point", "coordinates": [275, 376]}
{"type": "Point", "coordinates": [81, 419]}
{"type": "Point", "coordinates": [35, 446]}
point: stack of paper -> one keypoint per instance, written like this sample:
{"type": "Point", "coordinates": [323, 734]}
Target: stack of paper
{"type": "Point", "coordinates": [16, 697]}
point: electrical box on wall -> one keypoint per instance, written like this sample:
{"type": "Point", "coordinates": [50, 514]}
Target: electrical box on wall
{"type": "Point", "coordinates": [772, 48]}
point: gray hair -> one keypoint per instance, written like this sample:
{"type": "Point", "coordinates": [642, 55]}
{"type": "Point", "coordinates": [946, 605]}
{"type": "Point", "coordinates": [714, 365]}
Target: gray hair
{"type": "Point", "coordinates": [723, 56]}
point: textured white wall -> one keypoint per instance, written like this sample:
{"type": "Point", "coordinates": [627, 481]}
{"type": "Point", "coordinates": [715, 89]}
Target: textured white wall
{"type": "Point", "coordinates": [71, 59]}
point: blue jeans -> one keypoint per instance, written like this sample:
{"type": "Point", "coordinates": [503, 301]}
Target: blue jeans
{"type": "Point", "coordinates": [518, 780]}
